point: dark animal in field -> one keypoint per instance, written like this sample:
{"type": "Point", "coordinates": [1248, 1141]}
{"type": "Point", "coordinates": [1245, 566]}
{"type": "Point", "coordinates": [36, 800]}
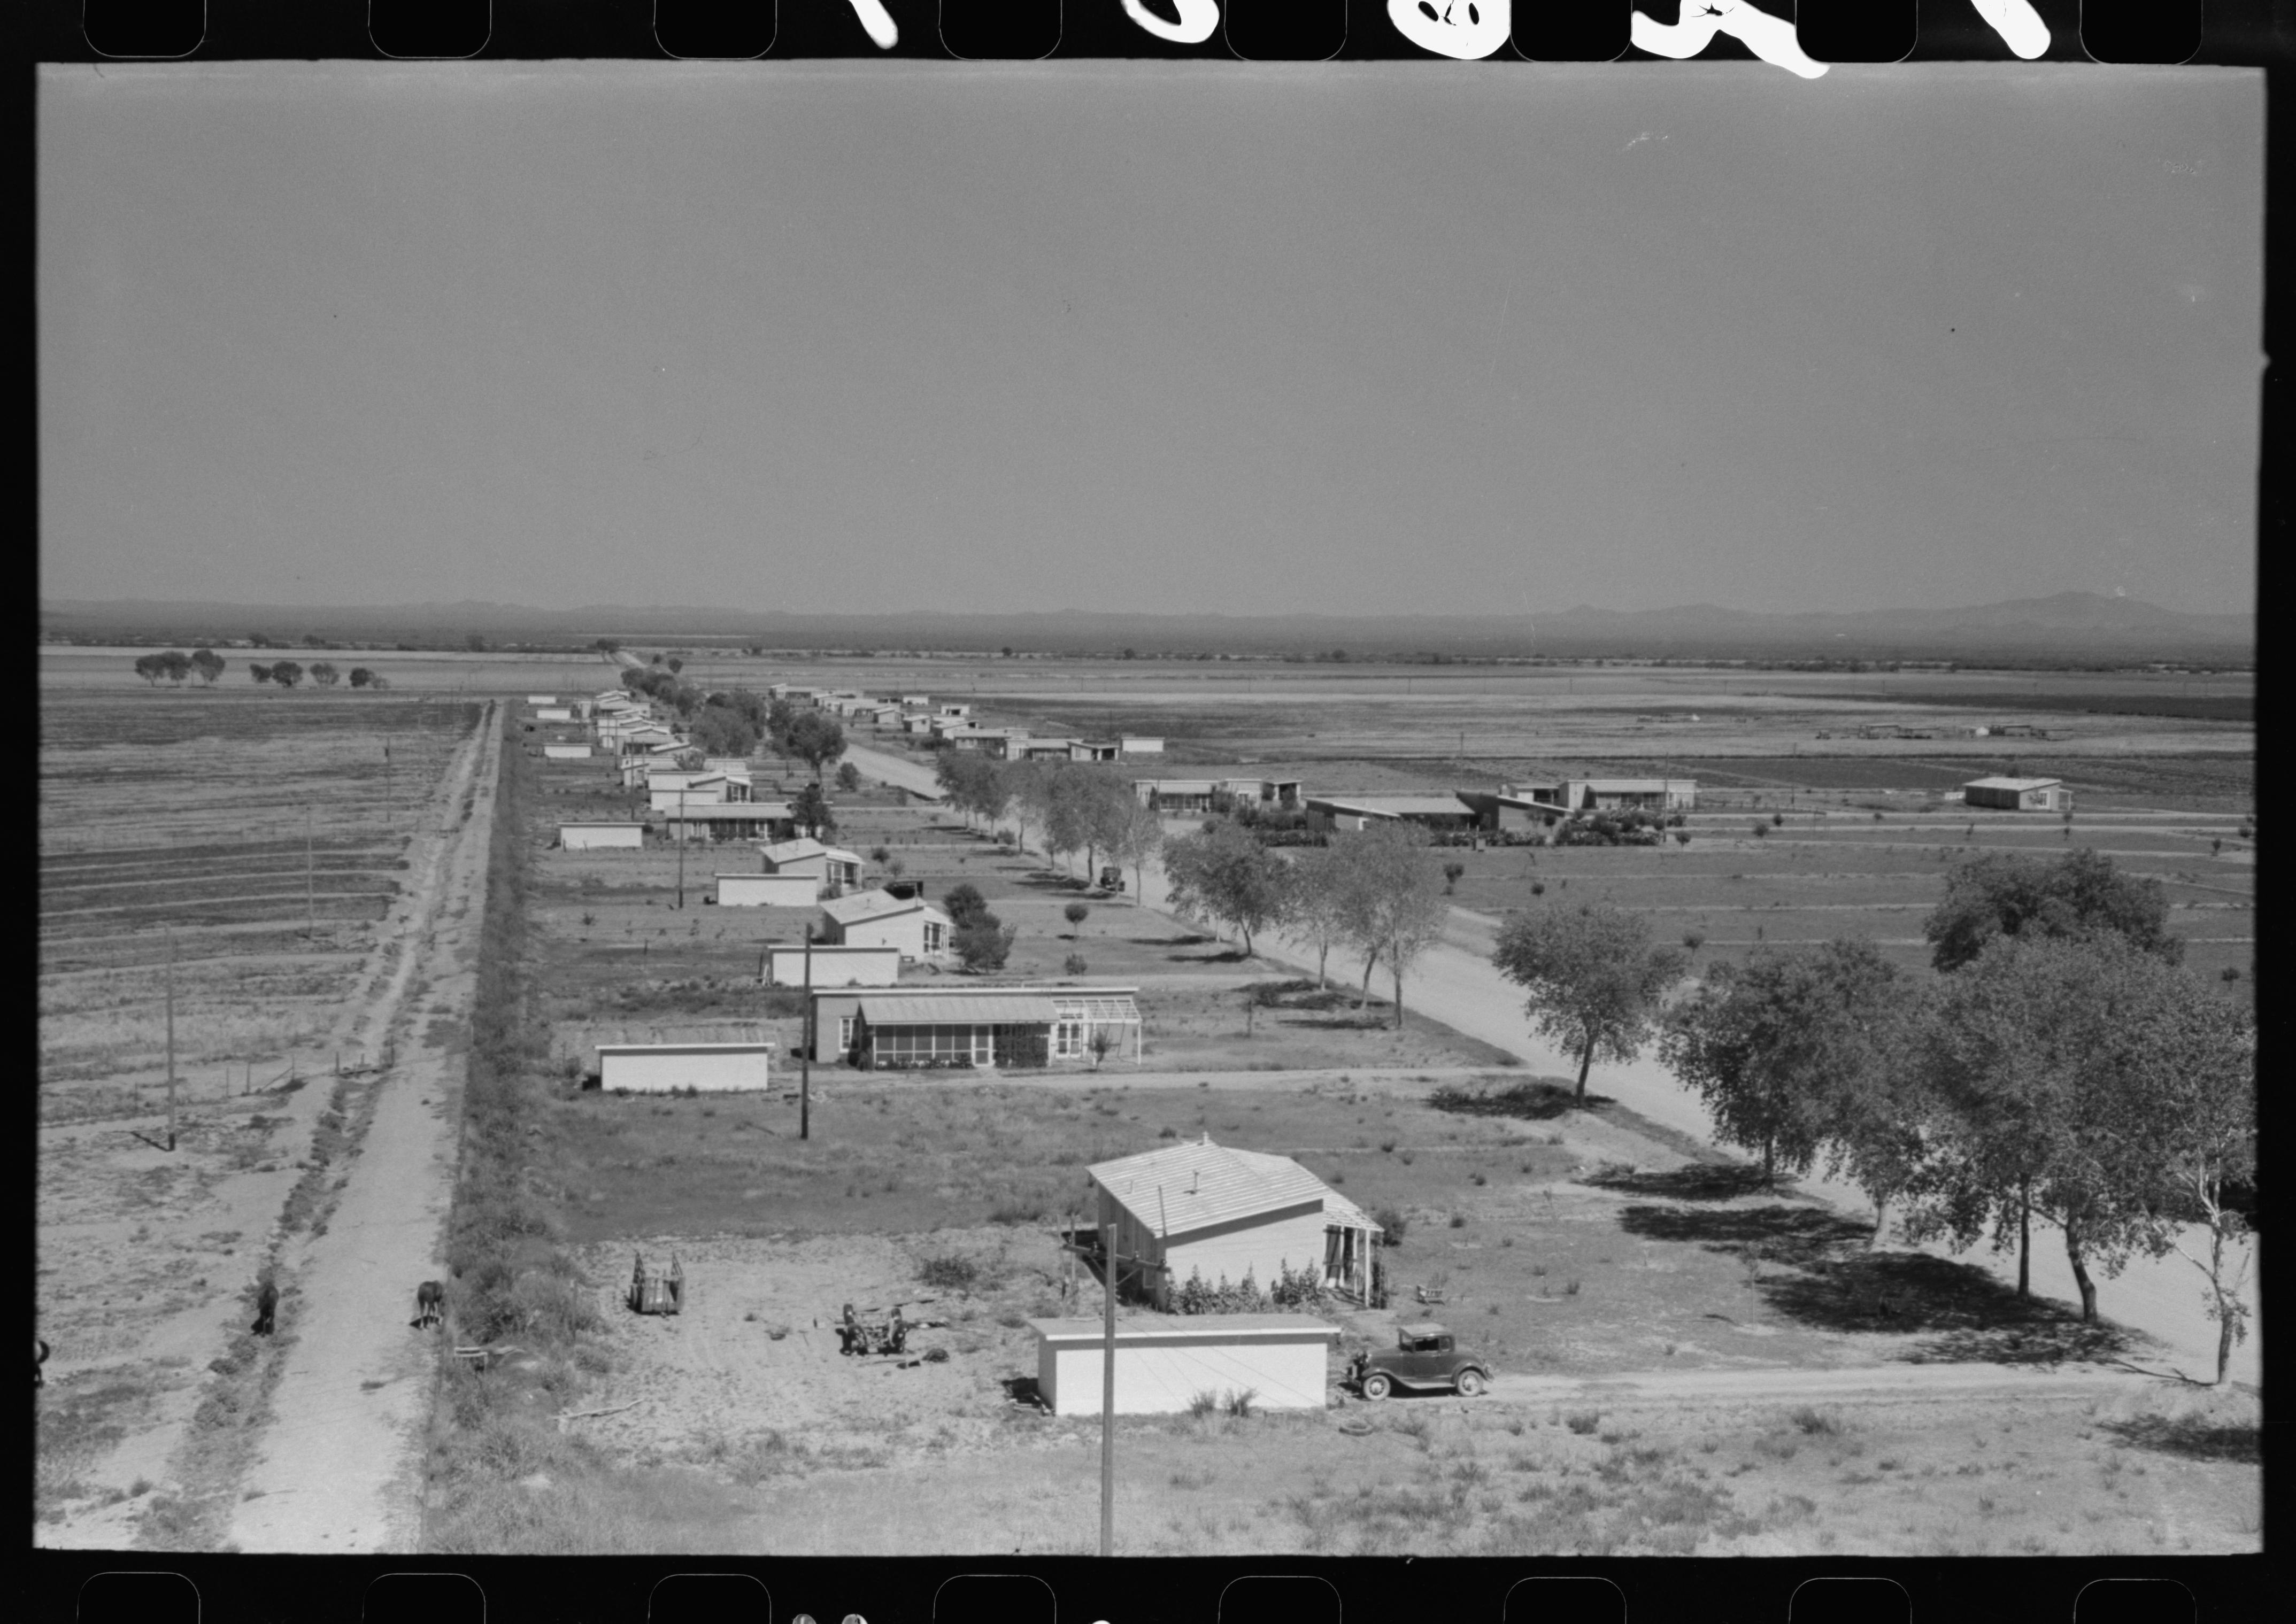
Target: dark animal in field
{"type": "Point", "coordinates": [39, 1358]}
{"type": "Point", "coordinates": [266, 1305]}
{"type": "Point", "coordinates": [430, 1301]}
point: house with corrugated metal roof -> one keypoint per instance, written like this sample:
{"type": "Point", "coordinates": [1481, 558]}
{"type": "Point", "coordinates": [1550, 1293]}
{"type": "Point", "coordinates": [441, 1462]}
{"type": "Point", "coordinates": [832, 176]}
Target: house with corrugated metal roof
{"type": "Point", "coordinates": [1216, 1211]}
{"type": "Point", "coordinates": [878, 919]}
{"type": "Point", "coordinates": [914, 1029]}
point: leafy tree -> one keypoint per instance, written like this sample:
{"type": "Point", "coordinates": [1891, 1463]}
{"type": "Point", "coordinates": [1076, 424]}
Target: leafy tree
{"type": "Point", "coordinates": [721, 730]}
{"type": "Point", "coordinates": [675, 664]}
{"type": "Point", "coordinates": [2037, 1110]}
{"type": "Point", "coordinates": [848, 777]}
{"type": "Point", "coordinates": [1226, 876]}
{"type": "Point", "coordinates": [1134, 838]}
{"type": "Point", "coordinates": [378, 683]}
{"type": "Point", "coordinates": [176, 665]}
{"type": "Point", "coordinates": [965, 905]}
{"type": "Point", "coordinates": [324, 672]}
{"type": "Point", "coordinates": [1393, 909]}
{"type": "Point", "coordinates": [361, 676]}
{"type": "Point", "coordinates": [817, 740]}
{"type": "Point", "coordinates": [1451, 874]}
{"type": "Point", "coordinates": [150, 667]}
{"type": "Point", "coordinates": [983, 946]}
{"type": "Point", "coordinates": [1792, 1050]}
{"type": "Point", "coordinates": [1029, 795]}
{"type": "Point", "coordinates": [475, 643]}
{"type": "Point", "coordinates": [1320, 905]}
{"type": "Point", "coordinates": [1594, 976]}
{"type": "Point", "coordinates": [810, 809]}
{"type": "Point", "coordinates": [287, 673]}
{"type": "Point", "coordinates": [1075, 914]}
{"type": "Point", "coordinates": [259, 672]}
{"type": "Point", "coordinates": [209, 664]}
{"type": "Point", "coordinates": [2079, 893]}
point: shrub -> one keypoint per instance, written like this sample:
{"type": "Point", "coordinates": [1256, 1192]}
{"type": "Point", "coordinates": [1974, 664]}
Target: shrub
{"type": "Point", "coordinates": [1073, 965]}
{"type": "Point", "coordinates": [1693, 939]}
{"type": "Point", "coordinates": [949, 1271]}
{"type": "Point", "coordinates": [1391, 1219]}
{"type": "Point", "coordinates": [2231, 972]}
{"type": "Point", "coordinates": [1458, 1220]}
{"type": "Point", "coordinates": [1583, 1421]}
{"type": "Point", "coordinates": [1239, 1404]}
{"type": "Point", "coordinates": [1197, 1297]}
{"type": "Point", "coordinates": [1203, 1404]}
{"type": "Point", "coordinates": [1816, 1422]}
{"type": "Point", "coordinates": [984, 945]}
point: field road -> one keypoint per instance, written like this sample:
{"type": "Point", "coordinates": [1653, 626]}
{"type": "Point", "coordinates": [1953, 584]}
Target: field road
{"type": "Point", "coordinates": [1804, 1386]}
{"type": "Point", "coordinates": [1456, 983]}
{"type": "Point", "coordinates": [339, 1467]}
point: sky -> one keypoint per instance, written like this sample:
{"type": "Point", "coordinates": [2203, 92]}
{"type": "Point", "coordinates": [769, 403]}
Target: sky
{"type": "Point", "coordinates": [1381, 337]}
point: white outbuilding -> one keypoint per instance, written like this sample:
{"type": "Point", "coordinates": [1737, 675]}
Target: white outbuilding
{"type": "Point", "coordinates": [832, 966]}
{"type": "Point", "coordinates": [554, 713]}
{"type": "Point", "coordinates": [566, 753]}
{"type": "Point", "coordinates": [664, 1068]}
{"type": "Point", "coordinates": [542, 699]}
{"type": "Point", "coordinates": [1282, 1360]}
{"type": "Point", "coordinates": [768, 890]}
{"type": "Point", "coordinates": [601, 837]}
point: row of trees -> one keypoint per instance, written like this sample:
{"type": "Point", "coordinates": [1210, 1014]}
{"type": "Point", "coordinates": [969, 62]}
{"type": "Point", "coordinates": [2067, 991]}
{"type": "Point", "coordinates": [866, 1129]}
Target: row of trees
{"type": "Point", "coordinates": [1074, 807]}
{"type": "Point", "coordinates": [730, 722]}
{"type": "Point", "coordinates": [2062, 1065]}
{"type": "Point", "coordinates": [175, 666]}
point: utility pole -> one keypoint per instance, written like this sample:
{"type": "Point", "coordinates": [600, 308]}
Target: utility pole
{"type": "Point", "coordinates": [682, 833]}
{"type": "Point", "coordinates": [805, 1059]}
{"type": "Point", "coordinates": [1108, 1392]}
{"type": "Point", "coordinates": [171, 1040]}
{"type": "Point", "coordinates": [310, 881]}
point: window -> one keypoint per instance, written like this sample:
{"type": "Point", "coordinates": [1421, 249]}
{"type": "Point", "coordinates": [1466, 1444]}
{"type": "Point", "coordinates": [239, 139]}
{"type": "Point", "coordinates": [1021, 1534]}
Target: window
{"type": "Point", "coordinates": [845, 1034]}
{"type": "Point", "coordinates": [932, 937]}
{"type": "Point", "coordinates": [1068, 1039]}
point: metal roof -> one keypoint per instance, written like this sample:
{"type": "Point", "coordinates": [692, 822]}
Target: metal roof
{"type": "Point", "coordinates": [1205, 1184]}
{"type": "Point", "coordinates": [955, 1010]}
{"type": "Point", "coordinates": [1422, 1328]}
{"type": "Point", "coordinates": [1191, 1328]}
{"type": "Point", "coordinates": [874, 904]}
{"type": "Point", "coordinates": [1393, 806]}
{"type": "Point", "coordinates": [789, 850]}
{"type": "Point", "coordinates": [2016, 784]}
{"type": "Point", "coordinates": [738, 812]}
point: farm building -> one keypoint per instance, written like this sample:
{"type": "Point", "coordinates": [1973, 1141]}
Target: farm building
{"type": "Point", "coordinates": [1036, 750]}
{"type": "Point", "coordinates": [601, 837]}
{"type": "Point", "coordinates": [728, 820]}
{"type": "Point", "coordinates": [732, 766]}
{"type": "Point", "coordinates": [1093, 750]}
{"type": "Point", "coordinates": [1361, 811]}
{"type": "Point", "coordinates": [874, 918]}
{"type": "Point", "coordinates": [916, 702]}
{"type": "Point", "coordinates": [1046, 1025]}
{"type": "Point", "coordinates": [832, 966]}
{"type": "Point", "coordinates": [1133, 745]}
{"type": "Point", "coordinates": [1210, 1210]}
{"type": "Point", "coordinates": [2019, 795]}
{"type": "Point", "coordinates": [664, 788]}
{"type": "Point", "coordinates": [767, 890]}
{"type": "Point", "coordinates": [918, 724]}
{"type": "Point", "coordinates": [566, 753]}
{"type": "Point", "coordinates": [1508, 812]}
{"type": "Point", "coordinates": [837, 869]}
{"type": "Point", "coordinates": [958, 711]}
{"type": "Point", "coordinates": [998, 743]}
{"type": "Point", "coordinates": [554, 713]}
{"type": "Point", "coordinates": [663, 1068]}
{"type": "Point", "coordinates": [542, 699]}
{"type": "Point", "coordinates": [1608, 795]}
{"type": "Point", "coordinates": [1265, 792]}
{"type": "Point", "coordinates": [1282, 1359]}
{"type": "Point", "coordinates": [1176, 794]}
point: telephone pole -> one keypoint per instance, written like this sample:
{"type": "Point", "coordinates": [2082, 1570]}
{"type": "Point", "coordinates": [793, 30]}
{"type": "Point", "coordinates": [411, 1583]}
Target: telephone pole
{"type": "Point", "coordinates": [310, 881]}
{"type": "Point", "coordinates": [171, 1040]}
{"type": "Point", "coordinates": [805, 1057]}
{"type": "Point", "coordinates": [1108, 1393]}
{"type": "Point", "coordinates": [682, 832]}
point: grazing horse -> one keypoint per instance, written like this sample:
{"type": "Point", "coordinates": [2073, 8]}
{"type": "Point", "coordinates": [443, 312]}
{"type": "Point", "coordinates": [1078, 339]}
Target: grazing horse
{"type": "Point", "coordinates": [267, 1304]}
{"type": "Point", "coordinates": [39, 1358]}
{"type": "Point", "coordinates": [429, 1300]}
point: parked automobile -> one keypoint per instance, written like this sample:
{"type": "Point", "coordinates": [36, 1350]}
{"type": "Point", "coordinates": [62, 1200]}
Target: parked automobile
{"type": "Point", "coordinates": [1425, 1359]}
{"type": "Point", "coordinates": [1112, 879]}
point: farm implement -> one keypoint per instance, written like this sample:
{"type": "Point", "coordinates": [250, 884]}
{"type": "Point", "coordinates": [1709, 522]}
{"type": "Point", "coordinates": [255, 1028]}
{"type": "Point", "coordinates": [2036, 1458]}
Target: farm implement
{"type": "Point", "coordinates": [654, 1292]}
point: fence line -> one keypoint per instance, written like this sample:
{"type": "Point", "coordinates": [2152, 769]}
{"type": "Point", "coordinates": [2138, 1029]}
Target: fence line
{"type": "Point", "coordinates": [151, 1100]}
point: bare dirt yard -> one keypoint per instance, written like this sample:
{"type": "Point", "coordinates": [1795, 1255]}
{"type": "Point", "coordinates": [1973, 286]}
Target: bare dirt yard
{"type": "Point", "coordinates": [149, 1257]}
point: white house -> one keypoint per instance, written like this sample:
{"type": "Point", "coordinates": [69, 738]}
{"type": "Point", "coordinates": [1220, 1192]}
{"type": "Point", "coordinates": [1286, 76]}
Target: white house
{"type": "Point", "coordinates": [768, 890]}
{"type": "Point", "coordinates": [1283, 1360]}
{"type": "Point", "coordinates": [1214, 1211]}
{"type": "Point", "coordinates": [727, 820]}
{"type": "Point", "coordinates": [668, 791]}
{"type": "Point", "coordinates": [542, 699]}
{"type": "Point", "coordinates": [554, 713]}
{"type": "Point", "coordinates": [662, 1068]}
{"type": "Point", "coordinates": [2019, 795]}
{"type": "Point", "coordinates": [837, 869]}
{"type": "Point", "coordinates": [566, 753]}
{"type": "Point", "coordinates": [876, 919]}
{"type": "Point", "coordinates": [832, 966]}
{"type": "Point", "coordinates": [601, 837]}
{"type": "Point", "coordinates": [1135, 745]}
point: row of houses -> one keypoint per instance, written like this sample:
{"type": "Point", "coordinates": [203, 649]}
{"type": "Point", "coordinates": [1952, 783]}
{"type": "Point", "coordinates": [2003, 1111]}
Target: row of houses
{"type": "Point", "coordinates": [1512, 807]}
{"type": "Point", "coordinates": [917, 715]}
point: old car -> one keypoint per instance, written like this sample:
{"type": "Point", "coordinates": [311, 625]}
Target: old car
{"type": "Point", "coordinates": [1424, 1360]}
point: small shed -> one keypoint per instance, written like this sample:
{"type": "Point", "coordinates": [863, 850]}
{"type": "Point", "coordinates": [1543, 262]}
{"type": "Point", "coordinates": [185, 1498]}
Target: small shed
{"type": "Point", "coordinates": [1162, 1364]}
{"type": "Point", "coordinates": [566, 753]}
{"type": "Point", "coordinates": [542, 699]}
{"type": "Point", "coordinates": [554, 713]}
{"type": "Point", "coordinates": [876, 919]}
{"type": "Point", "coordinates": [837, 869]}
{"type": "Point", "coordinates": [2019, 795]}
{"type": "Point", "coordinates": [1135, 745]}
{"type": "Point", "coordinates": [601, 837]}
{"type": "Point", "coordinates": [663, 1068]}
{"type": "Point", "coordinates": [767, 890]}
{"type": "Point", "coordinates": [832, 966]}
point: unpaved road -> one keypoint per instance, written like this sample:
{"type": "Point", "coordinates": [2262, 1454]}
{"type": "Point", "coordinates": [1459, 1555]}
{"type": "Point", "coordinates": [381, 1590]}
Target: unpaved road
{"type": "Point", "coordinates": [1456, 983]}
{"type": "Point", "coordinates": [340, 1465]}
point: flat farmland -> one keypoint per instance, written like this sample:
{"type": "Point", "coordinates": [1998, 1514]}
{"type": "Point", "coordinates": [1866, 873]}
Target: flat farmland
{"type": "Point", "coordinates": [65, 668]}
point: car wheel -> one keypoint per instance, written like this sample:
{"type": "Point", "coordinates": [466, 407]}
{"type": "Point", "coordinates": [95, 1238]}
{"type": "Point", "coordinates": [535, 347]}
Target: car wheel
{"type": "Point", "coordinates": [1470, 1384]}
{"type": "Point", "coordinates": [1376, 1387]}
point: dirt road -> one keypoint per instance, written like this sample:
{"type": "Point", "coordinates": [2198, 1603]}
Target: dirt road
{"type": "Point", "coordinates": [339, 1467]}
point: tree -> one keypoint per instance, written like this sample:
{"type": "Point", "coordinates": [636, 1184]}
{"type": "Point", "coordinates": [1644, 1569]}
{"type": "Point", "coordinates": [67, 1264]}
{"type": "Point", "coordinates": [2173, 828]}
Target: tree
{"type": "Point", "coordinates": [2038, 1108]}
{"type": "Point", "coordinates": [985, 945]}
{"type": "Point", "coordinates": [287, 673]}
{"type": "Point", "coordinates": [1320, 904]}
{"type": "Point", "coordinates": [324, 672]}
{"type": "Point", "coordinates": [965, 905]}
{"type": "Point", "coordinates": [2079, 893]}
{"type": "Point", "coordinates": [721, 730]}
{"type": "Point", "coordinates": [259, 672]}
{"type": "Point", "coordinates": [1226, 876]}
{"type": "Point", "coordinates": [1029, 795]}
{"type": "Point", "coordinates": [474, 642]}
{"type": "Point", "coordinates": [1593, 977]}
{"type": "Point", "coordinates": [817, 740]}
{"type": "Point", "coordinates": [1452, 872]}
{"type": "Point", "coordinates": [1788, 1051]}
{"type": "Point", "coordinates": [361, 676]}
{"type": "Point", "coordinates": [848, 777]}
{"type": "Point", "coordinates": [1135, 838]}
{"type": "Point", "coordinates": [1075, 914]}
{"type": "Point", "coordinates": [810, 809]}
{"type": "Point", "coordinates": [151, 668]}
{"type": "Point", "coordinates": [209, 664]}
{"type": "Point", "coordinates": [1392, 909]}
{"type": "Point", "coordinates": [675, 664]}
{"type": "Point", "coordinates": [380, 682]}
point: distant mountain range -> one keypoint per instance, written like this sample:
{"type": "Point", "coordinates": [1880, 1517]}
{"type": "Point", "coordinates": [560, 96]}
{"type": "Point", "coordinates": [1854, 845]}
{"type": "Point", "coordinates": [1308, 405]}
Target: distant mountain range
{"type": "Point", "coordinates": [2068, 627]}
